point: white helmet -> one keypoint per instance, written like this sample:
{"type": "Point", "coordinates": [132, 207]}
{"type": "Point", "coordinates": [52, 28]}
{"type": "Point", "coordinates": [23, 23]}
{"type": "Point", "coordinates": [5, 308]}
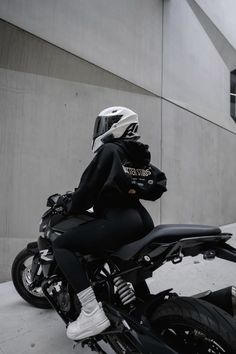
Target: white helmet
{"type": "Point", "coordinates": [114, 123]}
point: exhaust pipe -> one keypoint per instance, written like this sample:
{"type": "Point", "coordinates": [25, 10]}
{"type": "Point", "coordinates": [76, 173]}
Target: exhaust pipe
{"type": "Point", "coordinates": [223, 298]}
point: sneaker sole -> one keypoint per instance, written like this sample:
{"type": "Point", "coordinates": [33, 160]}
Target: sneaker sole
{"type": "Point", "coordinates": [99, 328]}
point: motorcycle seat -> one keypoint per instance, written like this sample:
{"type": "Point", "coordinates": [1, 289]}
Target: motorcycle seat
{"type": "Point", "coordinates": [166, 234]}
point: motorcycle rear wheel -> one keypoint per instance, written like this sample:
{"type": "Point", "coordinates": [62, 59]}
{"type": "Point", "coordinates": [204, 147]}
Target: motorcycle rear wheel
{"type": "Point", "coordinates": [20, 273]}
{"type": "Point", "coordinates": [194, 326]}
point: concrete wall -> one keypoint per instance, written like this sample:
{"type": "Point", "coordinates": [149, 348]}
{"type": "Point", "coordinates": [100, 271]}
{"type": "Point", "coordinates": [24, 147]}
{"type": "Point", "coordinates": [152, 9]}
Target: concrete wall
{"type": "Point", "coordinates": [49, 100]}
{"type": "Point", "coordinates": [198, 158]}
{"type": "Point", "coordinates": [153, 56]}
{"type": "Point", "coordinates": [194, 74]}
{"type": "Point", "coordinates": [198, 134]}
{"type": "Point", "coordinates": [124, 37]}
{"type": "Point", "coordinates": [223, 16]}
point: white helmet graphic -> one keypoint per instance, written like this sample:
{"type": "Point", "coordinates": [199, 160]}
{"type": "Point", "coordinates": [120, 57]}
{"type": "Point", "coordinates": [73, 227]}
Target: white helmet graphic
{"type": "Point", "coordinates": [114, 123]}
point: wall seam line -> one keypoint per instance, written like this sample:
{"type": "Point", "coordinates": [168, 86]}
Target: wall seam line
{"type": "Point", "coordinates": [198, 115]}
{"type": "Point", "coordinates": [149, 92]}
{"type": "Point", "coordinates": [162, 65]}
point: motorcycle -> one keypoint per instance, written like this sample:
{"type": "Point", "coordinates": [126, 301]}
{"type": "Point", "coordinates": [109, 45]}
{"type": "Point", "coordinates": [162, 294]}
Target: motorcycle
{"type": "Point", "coordinates": [141, 322]}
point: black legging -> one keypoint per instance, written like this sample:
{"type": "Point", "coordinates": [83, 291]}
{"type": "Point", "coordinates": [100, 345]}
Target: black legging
{"type": "Point", "coordinates": [117, 227]}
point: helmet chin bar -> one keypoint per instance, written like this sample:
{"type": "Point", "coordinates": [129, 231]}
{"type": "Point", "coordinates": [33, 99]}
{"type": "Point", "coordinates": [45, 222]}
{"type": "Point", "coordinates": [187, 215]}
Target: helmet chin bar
{"type": "Point", "coordinates": [97, 143]}
{"type": "Point", "coordinates": [104, 140]}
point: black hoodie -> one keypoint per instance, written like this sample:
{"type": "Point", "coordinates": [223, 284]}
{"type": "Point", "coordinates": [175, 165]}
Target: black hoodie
{"type": "Point", "coordinates": [104, 183]}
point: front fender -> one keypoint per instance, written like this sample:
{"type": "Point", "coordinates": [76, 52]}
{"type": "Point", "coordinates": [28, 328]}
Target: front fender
{"type": "Point", "coordinates": [33, 247]}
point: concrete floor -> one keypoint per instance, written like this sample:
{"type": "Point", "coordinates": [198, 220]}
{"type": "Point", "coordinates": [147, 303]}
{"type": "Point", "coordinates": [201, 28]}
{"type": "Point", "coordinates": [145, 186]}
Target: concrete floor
{"type": "Point", "coordinates": [28, 330]}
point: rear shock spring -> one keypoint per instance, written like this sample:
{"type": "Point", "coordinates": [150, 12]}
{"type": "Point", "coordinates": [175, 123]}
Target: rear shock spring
{"type": "Point", "coordinates": [124, 290]}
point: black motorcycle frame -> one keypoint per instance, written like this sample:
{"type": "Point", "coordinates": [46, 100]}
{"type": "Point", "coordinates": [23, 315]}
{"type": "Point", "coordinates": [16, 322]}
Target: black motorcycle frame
{"type": "Point", "coordinates": [51, 275]}
{"type": "Point", "coordinates": [132, 263]}
{"type": "Point", "coordinates": [133, 270]}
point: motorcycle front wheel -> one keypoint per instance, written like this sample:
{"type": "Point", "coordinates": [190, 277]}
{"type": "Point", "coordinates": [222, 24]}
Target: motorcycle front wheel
{"type": "Point", "coordinates": [21, 278]}
{"type": "Point", "coordinates": [194, 326]}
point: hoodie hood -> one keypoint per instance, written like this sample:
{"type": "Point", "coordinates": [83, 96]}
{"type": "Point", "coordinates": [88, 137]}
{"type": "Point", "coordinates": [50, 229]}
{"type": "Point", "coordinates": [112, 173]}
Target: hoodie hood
{"type": "Point", "coordinates": [135, 151]}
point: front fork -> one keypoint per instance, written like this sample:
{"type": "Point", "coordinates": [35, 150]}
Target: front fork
{"type": "Point", "coordinates": [43, 261]}
{"type": "Point", "coordinates": [46, 257]}
{"type": "Point", "coordinates": [36, 268]}
{"type": "Point", "coordinates": [42, 272]}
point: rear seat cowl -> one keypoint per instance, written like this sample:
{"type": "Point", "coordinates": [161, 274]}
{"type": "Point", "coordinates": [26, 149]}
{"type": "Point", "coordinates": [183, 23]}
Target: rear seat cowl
{"type": "Point", "coordinates": [166, 234]}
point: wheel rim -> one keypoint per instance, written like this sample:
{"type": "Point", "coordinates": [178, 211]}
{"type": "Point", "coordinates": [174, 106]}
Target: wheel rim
{"type": "Point", "coordinates": [189, 339]}
{"type": "Point", "coordinates": [27, 280]}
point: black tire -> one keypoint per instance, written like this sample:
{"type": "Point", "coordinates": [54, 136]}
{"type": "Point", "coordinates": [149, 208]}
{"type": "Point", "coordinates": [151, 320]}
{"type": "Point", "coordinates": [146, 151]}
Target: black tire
{"type": "Point", "coordinates": [17, 273]}
{"type": "Point", "coordinates": [207, 324]}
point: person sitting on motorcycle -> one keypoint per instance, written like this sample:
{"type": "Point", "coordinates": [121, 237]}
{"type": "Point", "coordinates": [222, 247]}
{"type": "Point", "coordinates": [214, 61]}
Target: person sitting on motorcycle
{"type": "Point", "coordinates": [120, 217]}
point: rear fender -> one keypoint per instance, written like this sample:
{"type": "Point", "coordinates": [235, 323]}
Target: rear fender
{"type": "Point", "coordinates": [156, 301]}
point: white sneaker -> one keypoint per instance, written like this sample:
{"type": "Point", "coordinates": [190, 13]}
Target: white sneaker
{"type": "Point", "coordinates": [88, 324]}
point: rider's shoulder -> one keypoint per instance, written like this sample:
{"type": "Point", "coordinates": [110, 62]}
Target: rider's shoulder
{"type": "Point", "coordinates": [109, 148]}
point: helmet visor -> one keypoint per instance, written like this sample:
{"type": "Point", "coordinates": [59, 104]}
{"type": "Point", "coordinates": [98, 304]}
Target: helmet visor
{"type": "Point", "coordinates": [103, 124]}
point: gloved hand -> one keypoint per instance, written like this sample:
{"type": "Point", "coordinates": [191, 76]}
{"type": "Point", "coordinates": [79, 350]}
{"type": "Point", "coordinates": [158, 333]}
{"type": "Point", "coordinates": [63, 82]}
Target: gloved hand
{"type": "Point", "coordinates": [63, 203]}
